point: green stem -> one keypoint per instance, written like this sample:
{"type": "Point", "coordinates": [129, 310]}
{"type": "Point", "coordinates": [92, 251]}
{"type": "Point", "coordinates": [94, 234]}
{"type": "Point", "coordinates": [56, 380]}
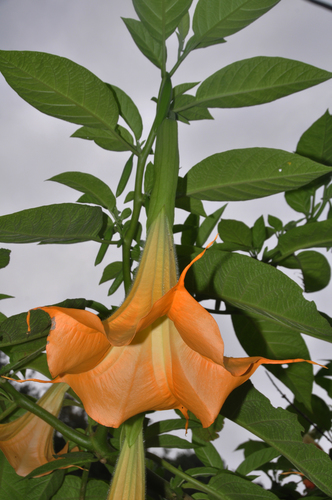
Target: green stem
{"type": "Point", "coordinates": [9, 410]}
{"type": "Point", "coordinates": [84, 481]}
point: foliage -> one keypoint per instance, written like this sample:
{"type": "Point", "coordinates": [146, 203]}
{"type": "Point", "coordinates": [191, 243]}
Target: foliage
{"type": "Point", "coordinates": [244, 272]}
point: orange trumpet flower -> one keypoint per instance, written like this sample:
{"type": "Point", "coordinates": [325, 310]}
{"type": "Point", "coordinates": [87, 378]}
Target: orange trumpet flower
{"type": "Point", "coordinates": [160, 350]}
{"type": "Point", "coordinates": [27, 442]}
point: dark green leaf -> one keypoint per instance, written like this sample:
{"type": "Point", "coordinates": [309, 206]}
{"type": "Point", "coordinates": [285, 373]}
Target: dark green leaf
{"type": "Point", "coordinates": [67, 459]}
{"type": "Point", "coordinates": [208, 225]}
{"type": "Point", "coordinates": [316, 142]}
{"type": "Point", "coordinates": [161, 17]}
{"type": "Point", "coordinates": [4, 296]}
{"type": "Point", "coordinates": [151, 48]}
{"type": "Point", "coordinates": [108, 234]}
{"type": "Point", "coordinates": [245, 174]}
{"type": "Point", "coordinates": [190, 205]}
{"type": "Point", "coordinates": [214, 19]}
{"type": "Point", "coordinates": [258, 288]}
{"type": "Point", "coordinates": [235, 231]}
{"type": "Point", "coordinates": [229, 486]}
{"type": "Point", "coordinates": [4, 257]}
{"type": "Point", "coordinates": [60, 88]}
{"type": "Point", "coordinates": [169, 425]}
{"type": "Point", "coordinates": [168, 441]}
{"type": "Point", "coordinates": [88, 184]}
{"type": "Point", "coordinates": [209, 456]}
{"type": "Point", "coordinates": [71, 489]}
{"type": "Point", "coordinates": [63, 223]}
{"type": "Point", "coordinates": [116, 283]}
{"type": "Point", "coordinates": [275, 222]}
{"type": "Point", "coordinates": [256, 81]}
{"type": "Point", "coordinates": [191, 225]}
{"type": "Point", "coordinates": [117, 140]}
{"type": "Point", "coordinates": [258, 232]}
{"type": "Point", "coordinates": [255, 460]}
{"type": "Point", "coordinates": [280, 429]}
{"type": "Point", "coordinates": [14, 330]}
{"type": "Point", "coordinates": [111, 271]}
{"type": "Point", "coordinates": [319, 415]}
{"type": "Point", "coordinates": [128, 111]}
{"type": "Point", "coordinates": [125, 176]}
{"type": "Point", "coordinates": [261, 337]}
{"type": "Point", "coordinates": [314, 266]}
{"type": "Point", "coordinates": [316, 234]}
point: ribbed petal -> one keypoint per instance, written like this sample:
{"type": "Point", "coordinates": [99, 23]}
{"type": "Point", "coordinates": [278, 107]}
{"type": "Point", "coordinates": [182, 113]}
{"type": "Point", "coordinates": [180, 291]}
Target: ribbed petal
{"type": "Point", "coordinates": [155, 276]}
{"type": "Point", "coordinates": [27, 442]}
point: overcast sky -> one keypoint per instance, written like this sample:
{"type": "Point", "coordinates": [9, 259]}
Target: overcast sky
{"type": "Point", "coordinates": [35, 147]}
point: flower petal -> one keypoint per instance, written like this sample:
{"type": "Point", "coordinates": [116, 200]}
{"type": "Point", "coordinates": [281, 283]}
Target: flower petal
{"type": "Point", "coordinates": [76, 342]}
{"type": "Point", "coordinates": [156, 275]}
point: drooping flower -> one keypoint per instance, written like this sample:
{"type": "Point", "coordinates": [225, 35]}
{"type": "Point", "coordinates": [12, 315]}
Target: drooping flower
{"type": "Point", "coordinates": [160, 350]}
{"type": "Point", "coordinates": [27, 442]}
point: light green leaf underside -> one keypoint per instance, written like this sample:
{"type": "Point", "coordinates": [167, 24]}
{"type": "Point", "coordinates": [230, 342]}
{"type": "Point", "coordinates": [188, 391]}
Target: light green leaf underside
{"type": "Point", "coordinates": [245, 174]}
{"type": "Point", "coordinates": [60, 88]}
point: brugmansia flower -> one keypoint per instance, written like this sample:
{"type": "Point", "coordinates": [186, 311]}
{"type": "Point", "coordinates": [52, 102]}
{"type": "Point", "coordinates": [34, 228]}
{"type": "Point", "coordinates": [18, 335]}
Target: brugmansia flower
{"type": "Point", "coordinates": [160, 350]}
{"type": "Point", "coordinates": [27, 442]}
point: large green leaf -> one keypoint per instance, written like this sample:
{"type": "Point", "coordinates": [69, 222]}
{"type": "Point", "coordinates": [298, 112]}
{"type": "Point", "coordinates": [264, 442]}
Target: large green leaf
{"type": "Point", "coordinates": [60, 88]}
{"type": "Point", "coordinates": [245, 174]}
{"type": "Point", "coordinates": [151, 48]}
{"type": "Point", "coordinates": [215, 19]}
{"type": "Point", "coordinates": [230, 486]}
{"type": "Point", "coordinates": [280, 429]}
{"type": "Point", "coordinates": [316, 234]}
{"type": "Point", "coordinates": [315, 269]}
{"type": "Point", "coordinates": [256, 81]}
{"type": "Point", "coordinates": [63, 223]}
{"type": "Point", "coordinates": [89, 184]}
{"type": "Point", "coordinates": [316, 142]}
{"type": "Point", "coordinates": [258, 288]}
{"type": "Point", "coordinates": [260, 336]}
{"type": "Point", "coordinates": [161, 17]}
{"type": "Point", "coordinates": [71, 489]}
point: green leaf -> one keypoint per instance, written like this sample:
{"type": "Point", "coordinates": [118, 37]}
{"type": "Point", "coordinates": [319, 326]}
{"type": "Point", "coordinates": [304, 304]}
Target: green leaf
{"type": "Point", "coordinates": [316, 142]}
{"type": "Point", "coordinates": [14, 330]}
{"type": "Point", "coordinates": [183, 27]}
{"type": "Point", "coordinates": [190, 230]}
{"type": "Point", "coordinates": [184, 106]}
{"type": "Point", "coordinates": [168, 441]}
{"type": "Point", "coordinates": [79, 458]}
{"type": "Point", "coordinates": [169, 425]}
{"type": "Point", "coordinates": [182, 88]}
{"type": "Point", "coordinates": [71, 489]}
{"type": "Point", "coordinates": [4, 257]}
{"type": "Point", "coordinates": [215, 19]}
{"type": "Point", "coordinates": [235, 231]}
{"type": "Point", "coordinates": [275, 222]}
{"type": "Point", "coordinates": [117, 140]}
{"type": "Point", "coordinates": [261, 337]}
{"type": "Point", "coordinates": [60, 88]}
{"type": "Point", "coordinates": [258, 288]}
{"type": "Point", "coordinates": [256, 81]}
{"type": "Point", "coordinates": [259, 235]}
{"type": "Point", "coordinates": [300, 199]}
{"type": "Point", "coordinates": [161, 17]}
{"type": "Point", "coordinates": [88, 184]}
{"type": "Point", "coordinates": [151, 48]}
{"type": "Point", "coordinates": [124, 176]}
{"type": "Point", "coordinates": [111, 271]}
{"type": "Point", "coordinates": [116, 283]}
{"type": "Point", "coordinates": [315, 269]}
{"type": "Point", "coordinates": [246, 174]}
{"type": "Point", "coordinates": [128, 111]}
{"type": "Point", "coordinates": [229, 486]}
{"type": "Point", "coordinates": [208, 225]}
{"type": "Point", "coordinates": [43, 488]}
{"type": "Point", "coordinates": [280, 429]}
{"type": "Point", "coordinates": [315, 234]}
{"type": "Point", "coordinates": [320, 414]}
{"type": "Point", "coordinates": [63, 223]}
{"type": "Point", "coordinates": [255, 460]}
{"type": "Point", "coordinates": [209, 456]}
{"type": "Point", "coordinates": [190, 205]}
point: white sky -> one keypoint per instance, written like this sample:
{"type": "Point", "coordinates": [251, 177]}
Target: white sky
{"type": "Point", "coordinates": [35, 147]}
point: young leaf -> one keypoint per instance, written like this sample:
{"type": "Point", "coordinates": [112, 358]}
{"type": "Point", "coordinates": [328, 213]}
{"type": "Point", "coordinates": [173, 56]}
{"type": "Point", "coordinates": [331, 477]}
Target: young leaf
{"type": "Point", "coordinates": [246, 174]}
{"type": "Point", "coordinates": [63, 223]}
{"type": "Point", "coordinates": [88, 184]}
{"type": "Point", "coordinates": [184, 106]}
{"type": "Point", "coordinates": [60, 88]}
{"type": "Point", "coordinates": [257, 288]}
{"type": "Point", "coordinates": [4, 257]}
{"type": "Point", "coordinates": [124, 176]}
{"type": "Point", "coordinates": [117, 140]}
{"type": "Point", "coordinates": [275, 222]}
{"type": "Point", "coordinates": [128, 111]}
{"type": "Point", "coordinates": [235, 231]}
{"type": "Point", "coordinates": [316, 142]}
{"type": "Point", "coordinates": [183, 88]}
{"type": "Point", "coordinates": [256, 81]}
{"type": "Point", "coordinates": [161, 17]}
{"type": "Point", "coordinates": [316, 234]}
{"type": "Point", "coordinates": [151, 48]}
{"type": "Point", "coordinates": [315, 269]}
{"type": "Point", "coordinates": [215, 19]}
{"type": "Point", "coordinates": [111, 271]}
{"type": "Point", "coordinates": [280, 429]}
{"type": "Point", "coordinates": [258, 232]}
